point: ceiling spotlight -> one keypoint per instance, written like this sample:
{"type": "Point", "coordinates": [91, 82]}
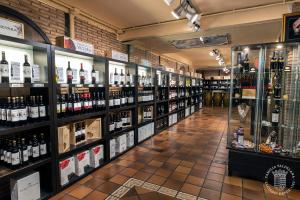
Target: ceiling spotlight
{"type": "Point", "coordinates": [169, 2]}
{"type": "Point", "coordinates": [219, 57]}
{"type": "Point", "coordinates": [194, 17]}
{"type": "Point", "coordinates": [177, 12]}
{"type": "Point", "coordinates": [201, 39]}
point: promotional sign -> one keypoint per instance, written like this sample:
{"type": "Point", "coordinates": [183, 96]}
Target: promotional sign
{"type": "Point", "coordinates": [73, 44]}
{"type": "Point", "coordinates": [119, 56]}
{"type": "Point", "coordinates": [11, 28]}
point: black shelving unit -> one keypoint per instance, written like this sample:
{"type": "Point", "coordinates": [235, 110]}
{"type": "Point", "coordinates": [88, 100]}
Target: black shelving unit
{"type": "Point", "coordinates": [54, 53]}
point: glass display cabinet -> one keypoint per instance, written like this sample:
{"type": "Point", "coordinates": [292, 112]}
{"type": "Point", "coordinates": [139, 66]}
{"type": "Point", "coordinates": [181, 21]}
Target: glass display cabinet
{"type": "Point", "coordinates": [263, 128]}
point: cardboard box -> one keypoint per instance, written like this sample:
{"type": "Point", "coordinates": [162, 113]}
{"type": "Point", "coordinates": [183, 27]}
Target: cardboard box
{"type": "Point", "coordinates": [145, 132]}
{"type": "Point", "coordinates": [112, 148]}
{"type": "Point", "coordinates": [67, 170]}
{"type": "Point", "coordinates": [121, 143]}
{"type": "Point", "coordinates": [82, 161]}
{"type": "Point", "coordinates": [63, 139]}
{"type": "Point", "coordinates": [130, 139]}
{"type": "Point", "coordinates": [26, 187]}
{"type": "Point", "coordinates": [96, 156]}
{"type": "Point", "coordinates": [94, 128]}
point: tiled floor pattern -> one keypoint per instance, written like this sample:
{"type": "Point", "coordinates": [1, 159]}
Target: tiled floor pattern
{"type": "Point", "coordinates": [188, 158]}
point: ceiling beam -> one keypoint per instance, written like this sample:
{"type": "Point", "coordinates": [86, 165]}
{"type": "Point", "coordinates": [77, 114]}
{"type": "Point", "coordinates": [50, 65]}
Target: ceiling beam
{"type": "Point", "coordinates": [208, 22]}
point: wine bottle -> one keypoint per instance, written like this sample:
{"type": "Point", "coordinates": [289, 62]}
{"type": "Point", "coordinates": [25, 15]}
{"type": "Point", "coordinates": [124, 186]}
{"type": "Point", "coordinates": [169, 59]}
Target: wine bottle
{"type": "Point", "coordinates": [275, 115]}
{"type": "Point", "coordinates": [273, 63]}
{"type": "Point", "coordinates": [43, 146]}
{"type": "Point", "coordinates": [22, 111]}
{"type": "Point", "coordinates": [24, 152]}
{"type": "Point", "coordinates": [42, 109]}
{"type": "Point", "coordinates": [27, 70]}
{"type": "Point", "coordinates": [281, 61]}
{"type": "Point", "coordinates": [4, 69]}
{"type": "Point", "coordinates": [277, 86]}
{"type": "Point", "coordinates": [34, 109]}
{"type": "Point", "coordinates": [122, 77]}
{"type": "Point", "coordinates": [111, 123]}
{"type": "Point", "coordinates": [15, 156]}
{"type": "Point", "coordinates": [246, 64]}
{"type": "Point", "coordinates": [116, 77]}
{"type": "Point", "coordinates": [81, 74]}
{"type": "Point", "coordinates": [69, 73]}
{"type": "Point", "coordinates": [128, 78]}
{"type": "Point", "coordinates": [82, 136]}
{"type": "Point", "coordinates": [93, 75]}
{"type": "Point", "coordinates": [14, 112]}
{"type": "Point", "coordinates": [35, 148]}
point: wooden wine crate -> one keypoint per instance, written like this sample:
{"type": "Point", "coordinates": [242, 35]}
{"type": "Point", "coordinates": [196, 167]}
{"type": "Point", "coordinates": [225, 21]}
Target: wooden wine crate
{"type": "Point", "coordinates": [94, 128]}
{"type": "Point", "coordinates": [64, 138]}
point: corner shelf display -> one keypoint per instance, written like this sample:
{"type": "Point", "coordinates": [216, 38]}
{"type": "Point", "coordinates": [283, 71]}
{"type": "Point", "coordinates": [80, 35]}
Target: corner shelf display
{"type": "Point", "coordinates": [80, 114]}
{"type": "Point", "coordinates": [264, 109]}
{"type": "Point", "coordinates": [25, 115]}
{"type": "Point", "coordinates": [162, 100]}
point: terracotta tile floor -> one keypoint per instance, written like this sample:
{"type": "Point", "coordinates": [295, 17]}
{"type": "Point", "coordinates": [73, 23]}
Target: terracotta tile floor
{"type": "Point", "coordinates": [186, 161]}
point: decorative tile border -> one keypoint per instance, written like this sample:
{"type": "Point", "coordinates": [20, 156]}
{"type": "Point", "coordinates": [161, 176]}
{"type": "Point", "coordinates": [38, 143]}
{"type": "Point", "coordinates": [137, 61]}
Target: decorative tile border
{"type": "Point", "coordinates": [132, 182]}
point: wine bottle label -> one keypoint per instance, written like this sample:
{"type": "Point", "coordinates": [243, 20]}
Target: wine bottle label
{"type": "Point", "coordinates": [111, 102]}
{"type": "Point", "coordinates": [8, 115]}
{"type": "Point", "coordinates": [275, 117]}
{"type": "Point", "coordinates": [23, 114]}
{"type": "Point", "coordinates": [130, 99]}
{"type": "Point", "coordinates": [42, 111]}
{"type": "Point", "coordinates": [124, 120]}
{"type": "Point", "coordinates": [119, 124]}
{"type": "Point", "coordinates": [27, 71]}
{"type": "Point", "coordinates": [43, 149]}
{"type": "Point", "coordinates": [90, 104]}
{"type": "Point", "coordinates": [111, 127]}
{"type": "Point", "coordinates": [117, 102]}
{"type": "Point", "coordinates": [99, 103]}
{"type": "Point", "coordinates": [82, 132]}
{"type": "Point", "coordinates": [86, 105]}
{"type": "Point", "coordinates": [123, 101]}
{"type": "Point", "coordinates": [58, 108]}
{"type": "Point", "coordinates": [25, 155]}
{"type": "Point", "coordinates": [3, 114]}
{"type": "Point", "coordinates": [4, 70]}
{"type": "Point", "coordinates": [15, 158]}
{"type": "Point", "coordinates": [94, 102]}
{"type": "Point", "coordinates": [63, 107]}
{"type": "Point", "coordinates": [29, 149]}
{"type": "Point", "coordinates": [70, 106]}
{"type": "Point", "coordinates": [94, 75]}
{"type": "Point", "coordinates": [81, 74]}
{"type": "Point", "coordinates": [34, 112]}
{"type": "Point", "coordinates": [8, 157]}
{"type": "Point", "coordinates": [15, 115]}
{"type": "Point", "coordinates": [4, 155]}
{"type": "Point", "coordinates": [35, 152]}
{"type": "Point", "coordinates": [69, 74]}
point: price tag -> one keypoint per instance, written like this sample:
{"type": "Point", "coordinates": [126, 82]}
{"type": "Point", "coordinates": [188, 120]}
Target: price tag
{"type": "Point", "coordinates": [38, 85]}
{"type": "Point", "coordinates": [17, 85]}
{"type": "Point", "coordinates": [35, 73]}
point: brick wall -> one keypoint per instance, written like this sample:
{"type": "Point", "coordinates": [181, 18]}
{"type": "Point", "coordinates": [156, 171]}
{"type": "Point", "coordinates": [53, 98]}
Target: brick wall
{"type": "Point", "coordinates": [136, 56]}
{"type": "Point", "coordinates": [52, 22]}
{"type": "Point", "coordinates": [104, 42]}
{"type": "Point", "coordinates": [49, 19]}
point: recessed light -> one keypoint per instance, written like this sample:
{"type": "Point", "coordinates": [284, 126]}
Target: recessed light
{"type": "Point", "coordinates": [246, 49]}
{"type": "Point", "coordinates": [279, 46]}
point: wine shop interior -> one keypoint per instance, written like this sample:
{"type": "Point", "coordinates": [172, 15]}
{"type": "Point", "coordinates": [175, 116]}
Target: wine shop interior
{"type": "Point", "coordinates": [149, 99]}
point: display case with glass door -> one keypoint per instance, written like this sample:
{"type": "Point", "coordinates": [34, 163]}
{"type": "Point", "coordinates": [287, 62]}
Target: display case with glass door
{"type": "Point", "coordinates": [264, 108]}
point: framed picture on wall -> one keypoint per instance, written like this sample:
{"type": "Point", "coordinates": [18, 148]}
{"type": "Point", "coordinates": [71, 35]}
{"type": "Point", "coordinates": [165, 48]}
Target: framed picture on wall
{"type": "Point", "coordinates": [291, 27]}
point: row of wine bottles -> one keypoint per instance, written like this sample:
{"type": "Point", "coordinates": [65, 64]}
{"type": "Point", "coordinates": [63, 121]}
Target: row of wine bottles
{"type": "Point", "coordinates": [6, 74]}
{"type": "Point", "coordinates": [17, 152]}
{"type": "Point", "coordinates": [80, 133]}
{"type": "Point", "coordinates": [15, 111]}
{"type": "Point", "coordinates": [145, 95]}
{"type": "Point", "coordinates": [121, 79]}
{"type": "Point", "coordinates": [147, 112]}
{"type": "Point", "coordinates": [161, 94]}
{"type": "Point", "coordinates": [82, 74]}
{"type": "Point", "coordinates": [121, 98]}
{"type": "Point", "coordinates": [118, 121]}
{"type": "Point", "coordinates": [80, 103]}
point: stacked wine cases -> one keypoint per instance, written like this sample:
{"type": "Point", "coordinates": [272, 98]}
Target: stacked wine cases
{"type": "Point", "coordinates": [77, 125]}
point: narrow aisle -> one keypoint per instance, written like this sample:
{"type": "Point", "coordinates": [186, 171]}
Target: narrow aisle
{"type": "Point", "coordinates": [186, 161]}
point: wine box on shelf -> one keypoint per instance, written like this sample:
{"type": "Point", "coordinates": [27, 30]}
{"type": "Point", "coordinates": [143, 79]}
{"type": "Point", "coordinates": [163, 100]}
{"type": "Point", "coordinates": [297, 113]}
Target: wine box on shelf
{"type": "Point", "coordinates": [96, 156]}
{"type": "Point", "coordinates": [121, 143]}
{"type": "Point", "coordinates": [130, 139]}
{"type": "Point", "coordinates": [112, 148]}
{"type": "Point", "coordinates": [26, 187]}
{"type": "Point", "coordinates": [82, 161]}
{"type": "Point", "coordinates": [64, 139]}
{"type": "Point", "coordinates": [66, 170]}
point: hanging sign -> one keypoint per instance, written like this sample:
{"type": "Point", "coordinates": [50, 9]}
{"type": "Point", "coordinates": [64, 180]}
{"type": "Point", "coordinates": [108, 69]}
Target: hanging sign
{"type": "Point", "coordinates": [119, 56]}
{"type": "Point", "coordinates": [75, 45]}
{"type": "Point", "coordinates": [11, 28]}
